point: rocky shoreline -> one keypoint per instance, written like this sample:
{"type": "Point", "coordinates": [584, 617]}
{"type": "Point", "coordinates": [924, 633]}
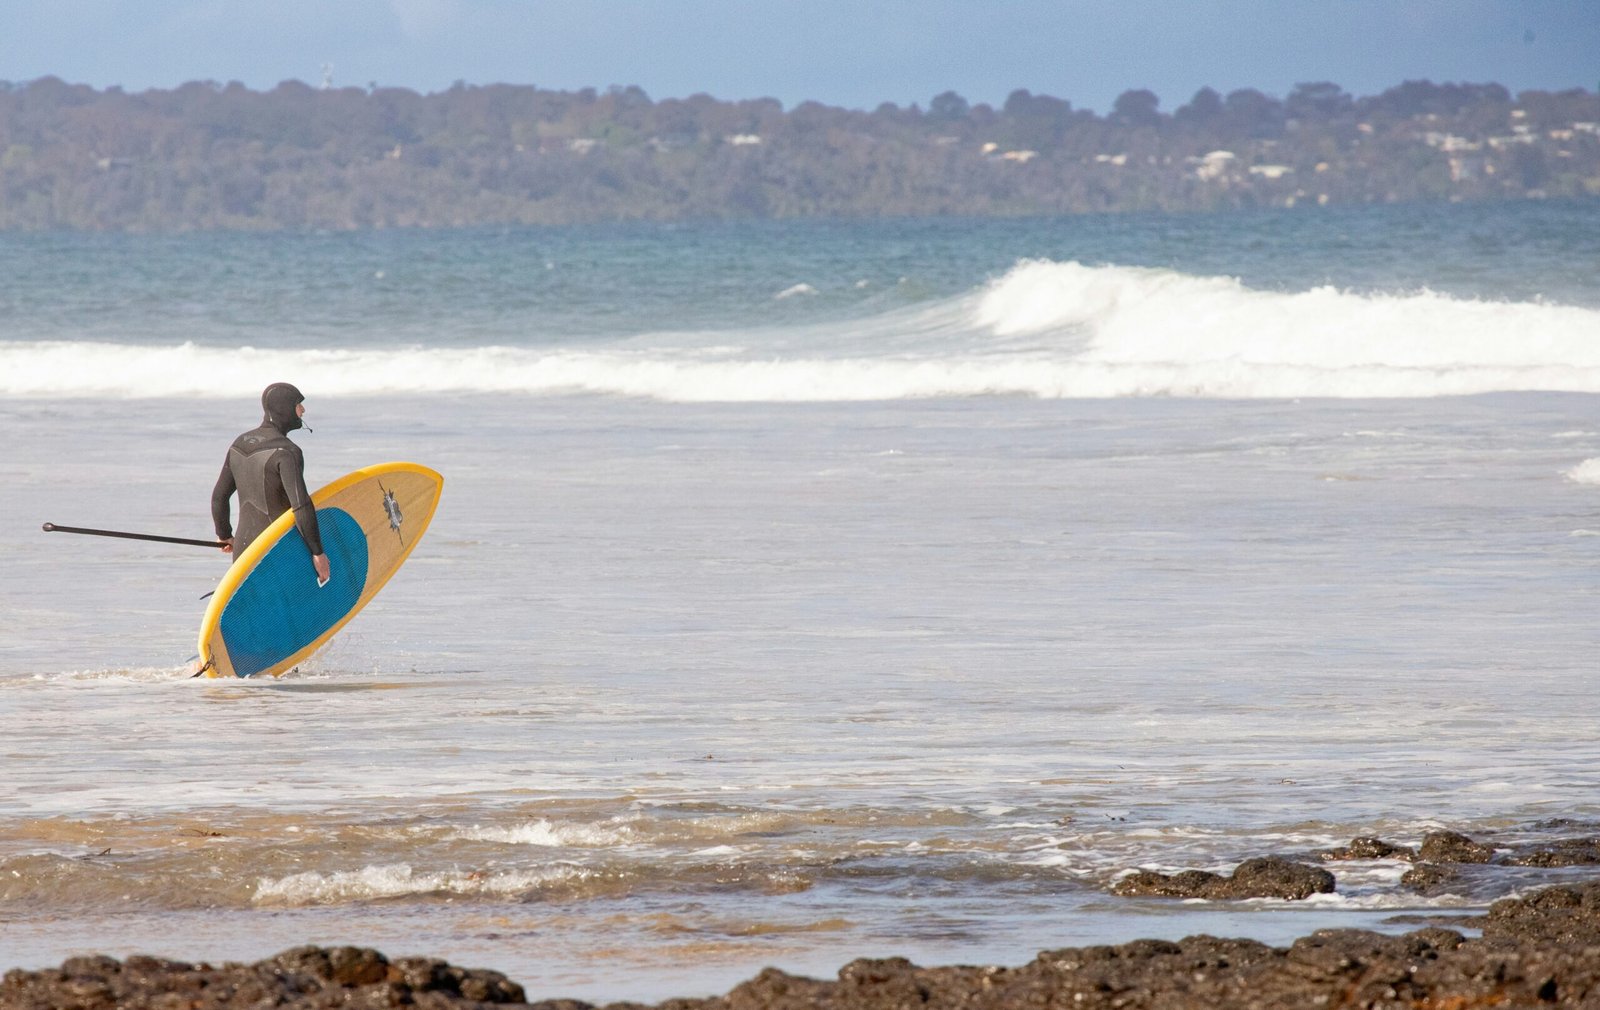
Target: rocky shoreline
{"type": "Point", "coordinates": [1541, 949]}
{"type": "Point", "coordinates": [1445, 862]}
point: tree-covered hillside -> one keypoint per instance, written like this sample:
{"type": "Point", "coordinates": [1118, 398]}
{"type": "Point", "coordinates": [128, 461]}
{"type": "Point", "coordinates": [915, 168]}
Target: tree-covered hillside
{"type": "Point", "coordinates": [209, 156]}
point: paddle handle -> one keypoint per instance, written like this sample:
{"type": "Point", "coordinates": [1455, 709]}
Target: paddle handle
{"type": "Point", "coordinates": [53, 528]}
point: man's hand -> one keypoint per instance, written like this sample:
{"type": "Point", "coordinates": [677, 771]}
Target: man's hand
{"type": "Point", "coordinates": [227, 546]}
{"type": "Point", "coordinates": [320, 563]}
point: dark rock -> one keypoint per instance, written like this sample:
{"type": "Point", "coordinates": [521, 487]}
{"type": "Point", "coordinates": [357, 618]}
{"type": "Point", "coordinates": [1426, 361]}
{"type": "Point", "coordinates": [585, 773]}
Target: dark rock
{"type": "Point", "coordinates": [1330, 952]}
{"type": "Point", "coordinates": [1272, 877]}
{"type": "Point", "coordinates": [1188, 884]}
{"type": "Point", "coordinates": [1540, 950]}
{"type": "Point", "coordinates": [1451, 847]}
{"type": "Point", "coordinates": [1430, 968]}
{"type": "Point", "coordinates": [1430, 879]}
{"type": "Point", "coordinates": [1439, 938]}
{"type": "Point", "coordinates": [776, 988]}
{"type": "Point", "coordinates": [1264, 877]}
{"type": "Point", "coordinates": [1566, 852]}
{"type": "Point", "coordinates": [420, 973]}
{"type": "Point", "coordinates": [356, 966]}
{"type": "Point", "coordinates": [304, 978]}
{"type": "Point", "coordinates": [1370, 848]}
{"type": "Point", "coordinates": [1565, 824]}
{"type": "Point", "coordinates": [1554, 915]}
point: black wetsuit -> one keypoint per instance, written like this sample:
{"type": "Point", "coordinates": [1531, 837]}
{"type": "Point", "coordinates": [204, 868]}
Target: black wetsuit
{"type": "Point", "coordinates": [268, 472]}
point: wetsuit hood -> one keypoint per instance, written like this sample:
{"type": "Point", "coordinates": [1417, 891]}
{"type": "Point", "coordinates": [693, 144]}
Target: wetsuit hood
{"type": "Point", "coordinates": [279, 401]}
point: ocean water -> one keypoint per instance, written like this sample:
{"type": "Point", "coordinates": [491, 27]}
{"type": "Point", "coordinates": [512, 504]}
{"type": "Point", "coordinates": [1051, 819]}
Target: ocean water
{"type": "Point", "coordinates": [806, 591]}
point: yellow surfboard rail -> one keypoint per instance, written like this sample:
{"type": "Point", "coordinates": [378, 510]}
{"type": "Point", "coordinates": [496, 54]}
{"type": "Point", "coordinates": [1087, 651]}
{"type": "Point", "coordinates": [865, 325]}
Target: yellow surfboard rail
{"type": "Point", "coordinates": [383, 561]}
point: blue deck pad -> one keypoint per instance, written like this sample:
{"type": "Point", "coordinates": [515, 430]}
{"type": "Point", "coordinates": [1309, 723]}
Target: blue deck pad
{"type": "Point", "coordinates": [278, 609]}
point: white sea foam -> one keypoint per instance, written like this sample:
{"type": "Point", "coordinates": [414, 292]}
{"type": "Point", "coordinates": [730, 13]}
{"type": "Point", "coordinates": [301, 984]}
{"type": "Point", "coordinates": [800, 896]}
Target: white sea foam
{"type": "Point", "coordinates": [399, 879]}
{"type": "Point", "coordinates": [1587, 472]}
{"type": "Point", "coordinates": [545, 833]}
{"type": "Point", "coordinates": [1044, 329]}
{"type": "Point", "coordinates": [135, 675]}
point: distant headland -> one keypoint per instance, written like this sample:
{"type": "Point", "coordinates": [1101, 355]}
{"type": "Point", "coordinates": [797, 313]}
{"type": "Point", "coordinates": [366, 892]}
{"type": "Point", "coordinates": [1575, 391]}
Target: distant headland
{"type": "Point", "coordinates": [208, 156]}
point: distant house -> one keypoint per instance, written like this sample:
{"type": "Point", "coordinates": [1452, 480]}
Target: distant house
{"type": "Point", "coordinates": [1020, 157]}
{"type": "Point", "coordinates": [1271, 171]}
{"type": "Point", "coordinates": [1505, 143]}
{"type": "Point", "coordinates": [742, 139]}
{"type": "Point", "coordinates": [1215, 165]}
{"type": "Point", "coordinates": [1450, 143]}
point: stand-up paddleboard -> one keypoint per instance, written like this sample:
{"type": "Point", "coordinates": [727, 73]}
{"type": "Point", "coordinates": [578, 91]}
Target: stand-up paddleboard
{"type": "Point", "coordinates": [268, 613]}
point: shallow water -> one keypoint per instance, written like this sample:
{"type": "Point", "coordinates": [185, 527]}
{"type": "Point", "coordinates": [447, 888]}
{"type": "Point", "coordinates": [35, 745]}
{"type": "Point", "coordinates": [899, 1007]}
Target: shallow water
{"type": "Point", "coordinates": [675, 688]}
{"type": "Point", "coordinates": [659, 702]}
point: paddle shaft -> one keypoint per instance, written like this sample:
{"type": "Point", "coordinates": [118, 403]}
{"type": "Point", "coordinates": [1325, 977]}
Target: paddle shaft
{"type": "Point", "coordinates": [53, 528]}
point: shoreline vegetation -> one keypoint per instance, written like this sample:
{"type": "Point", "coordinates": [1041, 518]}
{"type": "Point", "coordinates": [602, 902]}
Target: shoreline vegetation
{"type": "Point", "coordinates": [207, 156]}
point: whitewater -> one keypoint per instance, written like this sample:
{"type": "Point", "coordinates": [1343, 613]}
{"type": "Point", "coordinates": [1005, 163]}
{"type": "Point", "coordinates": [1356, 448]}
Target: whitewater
{"type": "Point", "coordinates": [803, 591]}
{"type": "Point", "coordinates": [1043, 328]}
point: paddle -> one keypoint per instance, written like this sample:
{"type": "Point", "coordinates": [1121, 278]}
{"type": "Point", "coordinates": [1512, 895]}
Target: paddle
{"type": "Point", "coordinates": [53, 528]}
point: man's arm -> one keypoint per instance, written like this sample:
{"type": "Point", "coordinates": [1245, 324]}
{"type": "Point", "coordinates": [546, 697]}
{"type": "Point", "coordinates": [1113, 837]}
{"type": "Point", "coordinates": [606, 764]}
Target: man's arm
{"type": "Point", "coordinates": [222, 507]}
{"type": "Point", "coordinates": [291, 470]}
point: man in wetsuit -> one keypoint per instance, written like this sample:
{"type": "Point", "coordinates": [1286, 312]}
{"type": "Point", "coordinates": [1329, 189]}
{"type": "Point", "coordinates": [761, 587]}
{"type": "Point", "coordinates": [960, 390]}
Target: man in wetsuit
{"type": "Point", "coordinates": [268, 472]}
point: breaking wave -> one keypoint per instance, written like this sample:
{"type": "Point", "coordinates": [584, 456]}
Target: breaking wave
{"type": "Point", "coordinates": [1045, 329]}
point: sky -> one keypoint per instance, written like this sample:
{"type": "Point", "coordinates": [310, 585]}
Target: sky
{"type": "Point", "coordinates": [851, 53]}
